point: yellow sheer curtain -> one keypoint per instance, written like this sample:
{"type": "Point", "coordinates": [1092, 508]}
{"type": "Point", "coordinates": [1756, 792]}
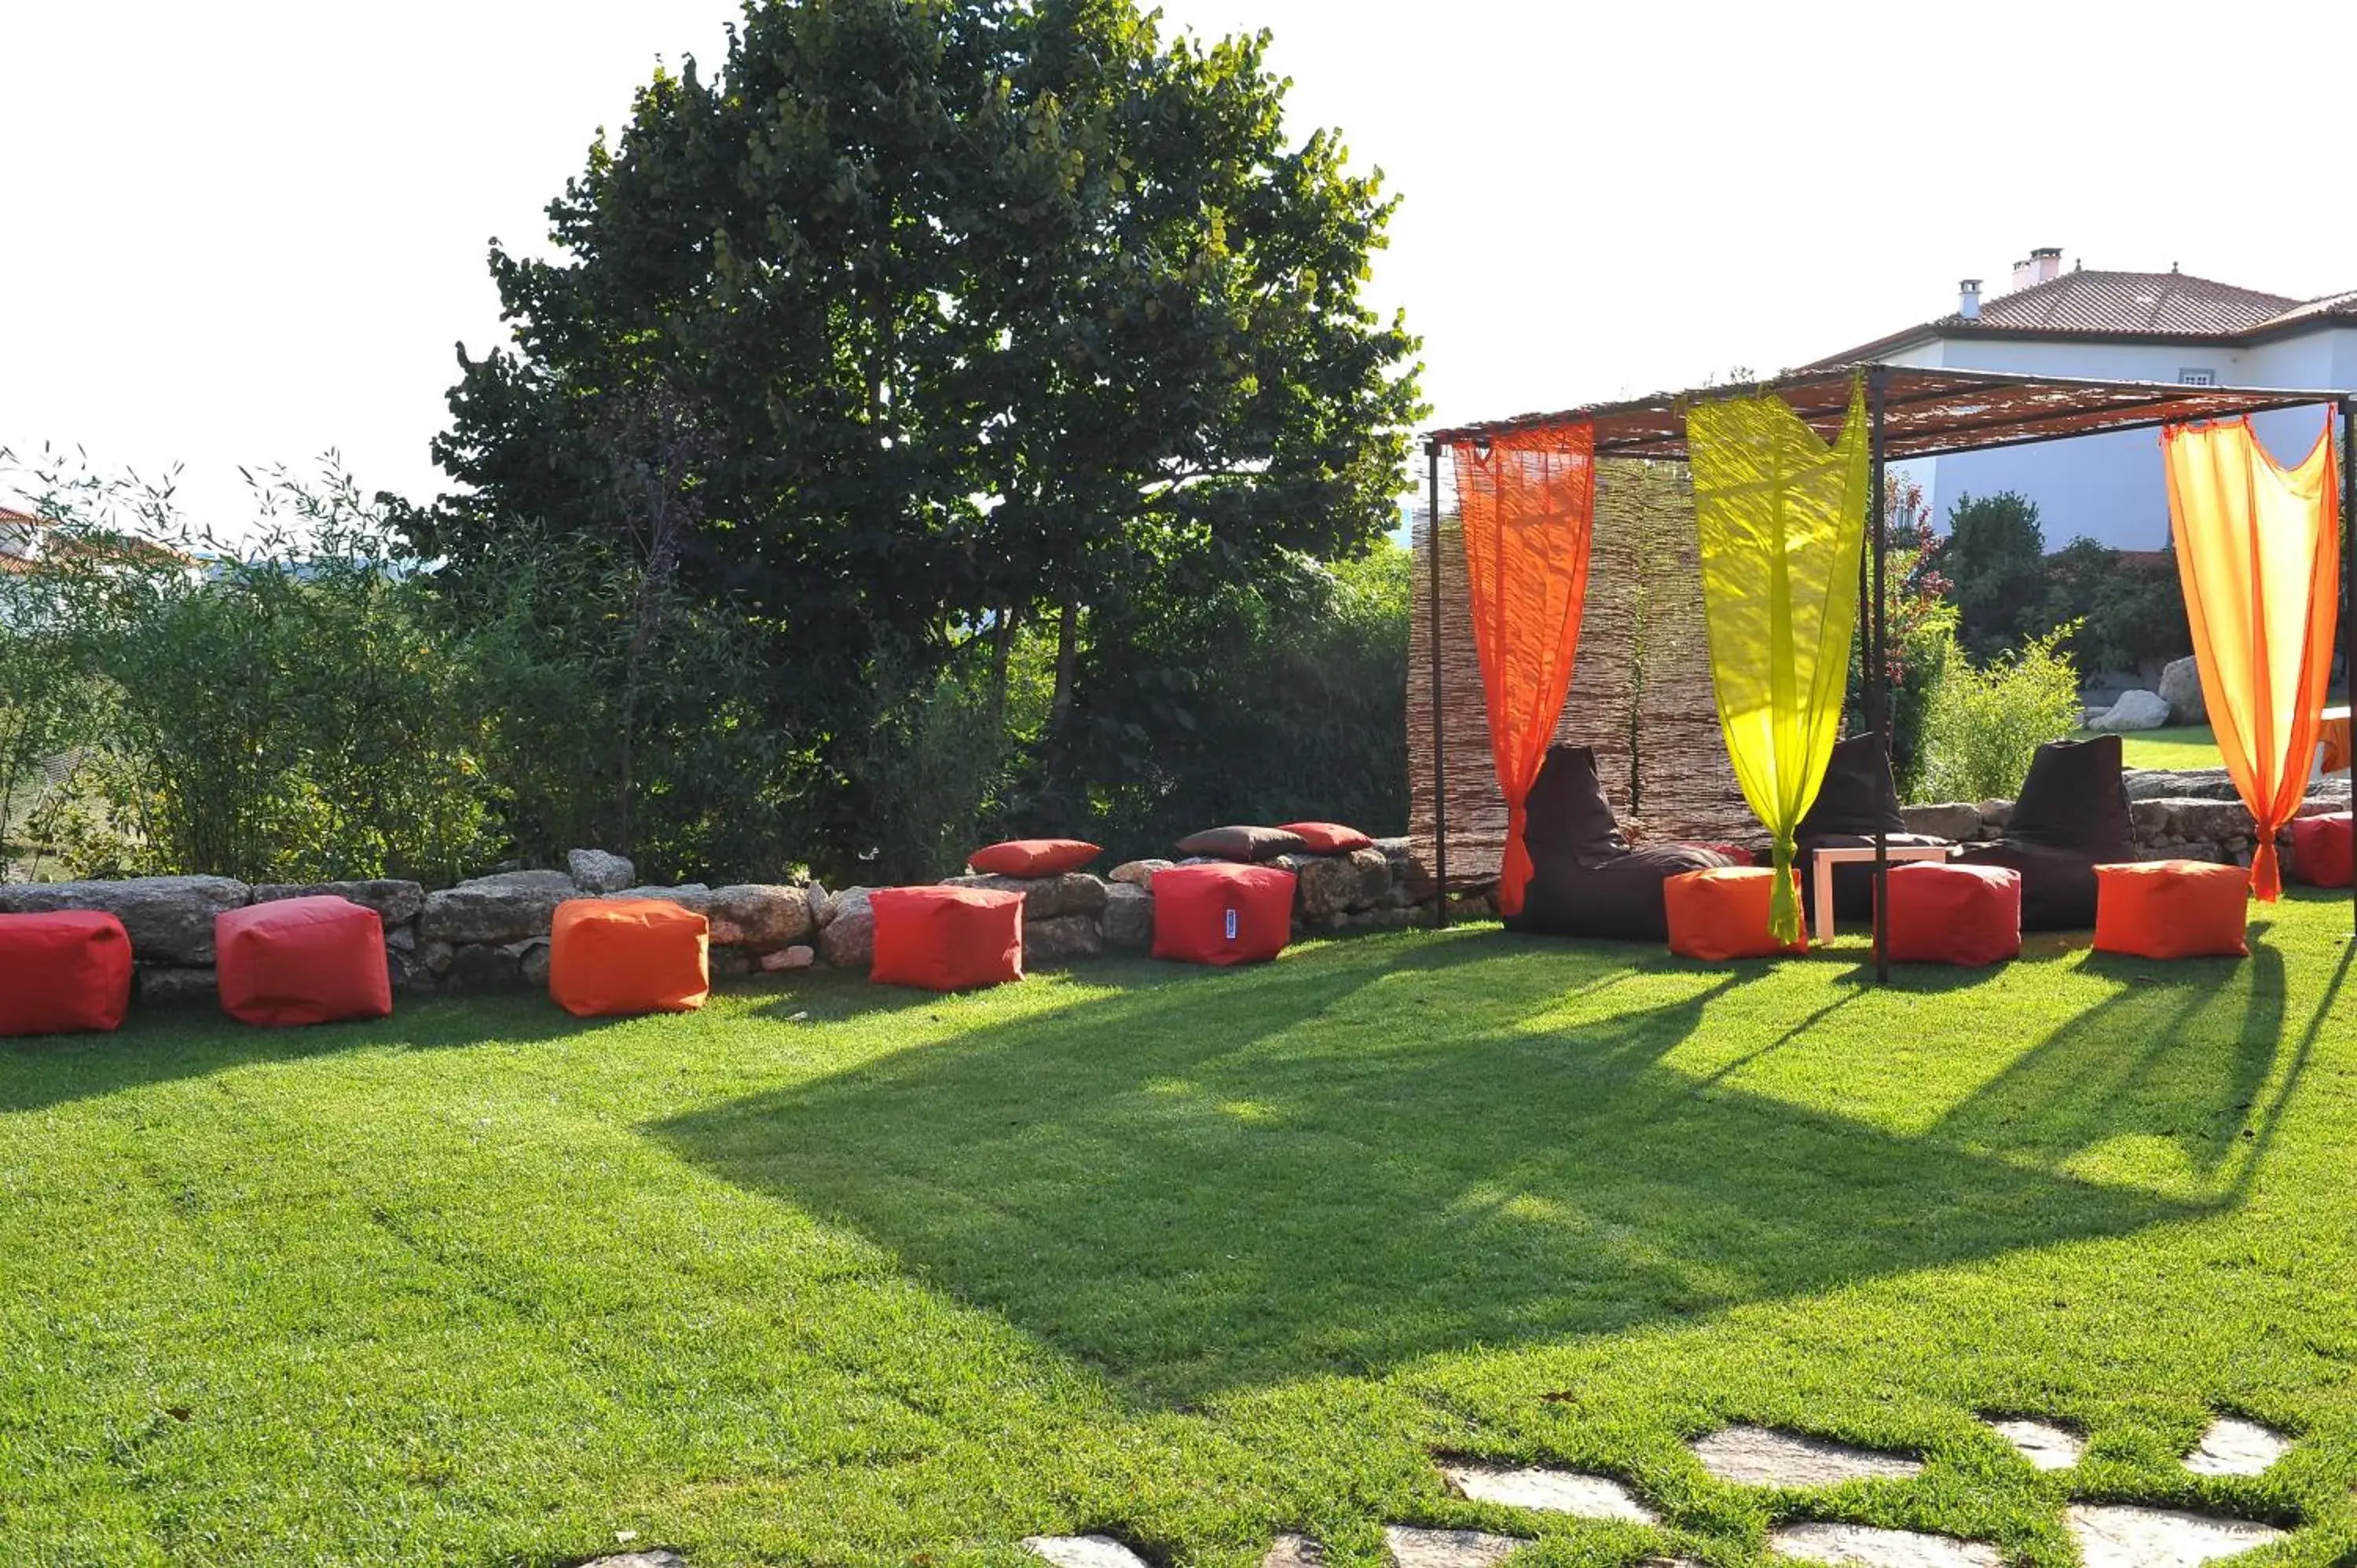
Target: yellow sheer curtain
{"type": "Point", "coordinates": [1781, 519]}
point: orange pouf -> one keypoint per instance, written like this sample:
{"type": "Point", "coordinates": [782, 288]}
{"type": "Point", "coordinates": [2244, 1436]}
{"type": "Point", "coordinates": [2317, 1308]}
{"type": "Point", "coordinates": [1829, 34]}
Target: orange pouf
{"type": "Point", "coordinates": [1722, 913]}
{"type": "Point", "coordinates": [2171, 909]}
{"type": "Point", "coordinates": [1223, 914]}
{"type": "Point", "coordinates": [1968, 915]}
{"type": "Point", "coordinates": [302, 960]}
{"type": "Point", "coordinates": [946, 938]}
{"type": "Point", "coordinates": [609, 958]}
{"type": "Point", "coordinates": [63, 974]}
{"type": "Point", "coordinates": [2320, 851]}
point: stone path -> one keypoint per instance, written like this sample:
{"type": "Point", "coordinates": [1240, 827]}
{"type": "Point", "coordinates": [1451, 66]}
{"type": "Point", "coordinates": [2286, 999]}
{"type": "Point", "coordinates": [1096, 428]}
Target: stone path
{"type": "Point", "coordinates": [1865, 1544]}
{"type": "Point", "coordinates": [1414, 1548]}
{"type": "Point", "coordinates": [1553, 1491]}
{"type": "Point", "coordinates": [2233, 1447]}
{"type": "Point", "coordinates": [2112, 1535]}
{"type": "Point", "coordinates": [1757, 1457]}
{"type": "Point", "coordinates": [1295, 1551]}
{"type": "Point", "coordinates": [1083, 1551]}
{"type": "Point", "coordinates": [2043, 1444]}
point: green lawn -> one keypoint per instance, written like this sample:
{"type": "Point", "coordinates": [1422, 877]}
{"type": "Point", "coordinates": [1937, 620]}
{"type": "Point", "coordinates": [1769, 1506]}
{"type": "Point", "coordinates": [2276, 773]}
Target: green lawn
{"type": "Point", "coordinates": [829, 1274]}
{"type": "Point", "coordinates": [2191, 745]}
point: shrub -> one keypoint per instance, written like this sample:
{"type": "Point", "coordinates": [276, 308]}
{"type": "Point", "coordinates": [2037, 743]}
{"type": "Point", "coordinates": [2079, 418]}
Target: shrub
{"type": "Point", "coordinates": [1984, 723]}
{"type": "Point", "coordinates": [1995, 561]}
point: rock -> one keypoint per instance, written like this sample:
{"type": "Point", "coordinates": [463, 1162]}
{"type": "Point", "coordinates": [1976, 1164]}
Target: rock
{"type": "Point", "coordinates": [785, 959]}
{"type": "Point", "coordinates": [1872, 1546]}
{"type": "Point", "coordinates": [2233, 1447]}
{"type": "Point", "coordinates": [657, 1559]}
{"type": "Point", "coordinates": [1140, 872]}
{"type": "Point", "coordinates": [1757, 1457]}
{"type": "Point", "coordinates": [2189, 784]}
{"type": "Point", "coordinates": [1128, 918]}
{"type": "Point", "coordinates": [495, 909]}
{"type": "Point", "coordinates": [1044, 897]}
{"type": "Point", "coordinates": [600, 871]}
{"type": "Point", "coordinates": [481, 966]}
{"type": "Point", "coordinates": [550, 881]}
{"type": "Point", "coordinates": [1954, 821]}
{"type": "Point", "coordinates": [1293, 1551]}
{"type": "Point", "coordinates": [395, 903]}
{"type": "Point", "coordinates": [1083, 1551]}
{"type": "Point", "coordinates": [2180, 688]}
{"type": "Point", "coordinates": [2133, 710]}
{"type": "Point", "coordinates": [2214, 821]}
{"type": "Point", "coordinates": [406, 969]}
{"type": "Point", "coordinates": [1409, 1547]}
{"type": "Point", "coordinates": [2124, 1536]}
{"type": "Point", "coordinates": [530, 960]}
{"type": "Point", "coordinates": [1996, 815]}
{"type": "Point", "coordinates": [169, 918]}
{"type": "Point", "coordinates": [159, 983]}
{"type": "Point", "coordinates": [1552, 1491]}
{"type": "Point", "coordinates": [2046, 1445]}
{"type": "Point", "coordinates": [847, 940]}
{"type": "Point", "coordinates": [820, 909]}
{"type": "Point", "coordinates": [1061, 938]}
{"type": "Point", "coordinates": [1375, 868]}
{"type": "Point", "coordinates": [693, 897]}
{"type": "Point", "coordinates": [1324, 885]}
{"type": "Point", "coordinates": [761, 916]}
{"type": "Point", "coordinates": [436, 958]}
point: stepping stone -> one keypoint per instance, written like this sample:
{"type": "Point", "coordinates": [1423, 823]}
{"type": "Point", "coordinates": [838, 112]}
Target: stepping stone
{"type": "Point", "coordinates": [1872, 1547]}
{"type": "Point", "coordinates": [1295, 1551]}
{"type": "Point", "coordinates": [1755, 1457]}
{"type": "Point", "coordinates": [1414, 1548]}
{"type": "Point", "coordinates": [2046, 1445]}
{"type": "Point", "coordinates": [1083, 1551]}
{"type": "Point", "coordinates": [2119, 1536]}
{"type": "Point", "coordinates": [2233, 1447]}
{"type": "Point", "coordinates": [639, 1559]}
{"type": "Point", "coordinates": [1556, 1491]}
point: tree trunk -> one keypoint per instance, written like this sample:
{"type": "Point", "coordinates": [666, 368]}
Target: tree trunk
{"type": "Point", "coordinates": [1002, 652]}
{"type": "Point", "coordinates": [1068, 642]}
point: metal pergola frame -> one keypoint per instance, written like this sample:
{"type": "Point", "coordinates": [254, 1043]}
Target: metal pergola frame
{"type": "Point", "coordinates": [1911, 413]}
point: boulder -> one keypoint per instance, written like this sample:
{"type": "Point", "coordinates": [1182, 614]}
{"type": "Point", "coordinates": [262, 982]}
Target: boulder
{"type": "Point", "coordinates": [2204, 822]}
{"type": "Point", "coordinates": [1955, 820]}
{"type": "Point", "coordinates": [495, 909]}
{"type": "Point", "coordinates": [1374, 869]}
{"type": "Point", "coordinates": [395, 903]}
{"type": "Point", "coordinates": [1324, 885]}
{"type": "Point", "coordinates": [693, 897]}
{"type": "Point", "coordinates": [1059, 939]}
{"type": "Point", "coordinates": [786, 959]}
{"type": "Point", "coordinates": [821, 908]}
{"type": "Point", "coordinates": [1128, 918]}
{"type": "Point", "coordinates": [600, 871]}
{"type": "Point", "coordinates": [2190, 784]}
{"type": "Point", "coordinates": [481, 966]}
{"type": "Point", "coordinates": [159, 982]}
{"type": "Point", "coordinates": [760, 916]}
{"type": "Point", "coordinates": [2133, 710]}
{"type": "Point", "coordinates": [2180, 688]}
{"type": "Point", "coordinates": [530, 960]}
{"type": "Point", "coordinates": [1996, 815]}
{"type": "Point", "coordinates": [551, 881]}
{"type": "Point", "coordinates": [169, 919]}
{"type": "Point", "coordinates": [847, 940]}
{"type": "Point", "coordinates": [1044, 897]}
{"type": "Point", "coordinates": [1140, 872]}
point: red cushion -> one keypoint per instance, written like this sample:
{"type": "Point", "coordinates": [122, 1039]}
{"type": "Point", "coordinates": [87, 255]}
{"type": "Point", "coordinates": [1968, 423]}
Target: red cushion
{"type": "Point", "coordinates": [2320, 851]}
{"type": "Point", "coordinates": [947, 938]}
{"type": "Point", "coordinates": [1968, 915]}
{"type": "Point", "coordinates": [1223, 914]}
{"type": "Point", "coordinates": [1722, 914]}
{"type": "Point", "coordinates": [1034, 857]}
{"type": "Point", "coordinates": [1327, 838]}
{"type": "Point", "coordinates": [2171, 909]}
{"type": "Point", "coordinates": [63, 972]}
{"type": "Point", "coordinates": [611, 958]}
{"type": "Point", "coordinates": [302, 960]}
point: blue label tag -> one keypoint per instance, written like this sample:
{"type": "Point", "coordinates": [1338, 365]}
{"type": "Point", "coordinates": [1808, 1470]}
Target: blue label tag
{"type": "Point", "coordinates": [1231, 925]}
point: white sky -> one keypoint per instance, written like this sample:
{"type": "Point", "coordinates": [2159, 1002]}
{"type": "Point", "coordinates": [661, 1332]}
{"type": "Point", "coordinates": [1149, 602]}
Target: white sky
{"type": "Point", "coordinates": [247, 232]}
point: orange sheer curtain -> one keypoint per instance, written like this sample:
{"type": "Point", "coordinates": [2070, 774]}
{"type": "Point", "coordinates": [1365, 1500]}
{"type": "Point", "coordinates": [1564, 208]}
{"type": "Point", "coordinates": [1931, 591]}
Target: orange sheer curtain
{"type": "Point", "coordinates": [2258, 547]}
{"type": "Point", "coordinates": [1528, 500]}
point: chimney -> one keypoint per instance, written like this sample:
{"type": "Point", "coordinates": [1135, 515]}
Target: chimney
{"type": "Point", "coordinates": [2045, 264]}
{"type": "Point", "coordinates": [1968, 299]}
{"type": "Point", "coordinates": [2021, 278]}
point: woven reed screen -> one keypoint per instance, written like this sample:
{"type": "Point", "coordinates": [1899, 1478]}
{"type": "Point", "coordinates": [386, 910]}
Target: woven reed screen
{"type": "Point", "coordinates": [1640, 691]}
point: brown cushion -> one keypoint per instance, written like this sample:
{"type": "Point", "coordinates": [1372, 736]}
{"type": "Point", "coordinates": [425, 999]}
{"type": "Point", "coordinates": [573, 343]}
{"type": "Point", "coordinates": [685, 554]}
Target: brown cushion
{"type": "Point", "coordinates": [1616, 900]}
{"type": "Point", "coordinates": [2074, 798]}
{"type": "Point", "coordinates": [1858, 795]}
{"type": "Point", "coordinates": [1567, 818]}
{"type": "Point", "coordinates": [1242, 843]}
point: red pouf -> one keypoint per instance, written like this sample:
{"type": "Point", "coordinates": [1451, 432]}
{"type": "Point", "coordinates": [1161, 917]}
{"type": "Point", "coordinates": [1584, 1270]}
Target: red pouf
{"type": "Point", "coordinates": [1968, 915]}
{"type": "Point", "coordinates": [1723, 914]}
{"type": "Point", "coordinates": [2171, 909]}
{"type": "Point", "coordinates": [302, 960]}
{"type": "Point", "coordinates": [63, 974]}
{"type": "Point", "coordinates": [617, 958]}
{"type": "Point", "coordinates": [1223, 914]}
{"type": "Point", "coordinates": [2320, 851]}
{"type": "Point", "coordinates": [946, 938]}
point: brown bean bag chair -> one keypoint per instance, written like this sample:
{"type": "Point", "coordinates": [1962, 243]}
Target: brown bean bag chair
{"type": "Point", "coordinates": [1859, 794]}
{"type": "Point", "coordinates": [2071, 817]}
{"type": "Point", "coordinates": [1585, 879]}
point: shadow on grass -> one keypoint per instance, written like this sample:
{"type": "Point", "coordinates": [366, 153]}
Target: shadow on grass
{"type": "Point", "coordinates": [1219, 1184]}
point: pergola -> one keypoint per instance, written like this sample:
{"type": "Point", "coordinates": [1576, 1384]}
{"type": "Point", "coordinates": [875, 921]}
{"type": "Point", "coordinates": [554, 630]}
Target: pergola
{"type": "Point", "coordinates": [1911, 413]}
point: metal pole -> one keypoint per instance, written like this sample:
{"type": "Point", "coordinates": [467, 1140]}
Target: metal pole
{"type": "Point", "coordinates": [1431, 642]}
{"type": "Point", "coordinates": [1878, 705]}
{"type": "Point", "coordinates": [2349, 594]}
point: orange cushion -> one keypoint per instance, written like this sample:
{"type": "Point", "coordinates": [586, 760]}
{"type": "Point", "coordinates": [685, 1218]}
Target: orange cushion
{"type": "Point", "coordinates": [302, 960]}
{"type": "Point", "coordinates": [609, 958]}
{"type": "Point", "coordinates": [2320, 851]}
{"type": "Point", "coordinates": [1722, 913]}
{"type": "Point", "coordinates": [1968, 915]}
{"type": "Point", "coordinates": [63, 972]}
{"type": "Point", "coordinates": [1034, 857]}
{"type": "Point", "coordinates": [946, 938]}
{"type": "Point", "coordinates": [1327, 838]}
{"type": "Point", "coordinates": [2171, 909]}
{"type": "Point", "coordinates": [1223, 915]}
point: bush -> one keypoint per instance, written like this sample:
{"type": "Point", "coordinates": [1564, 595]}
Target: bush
{"type": "Point", "coordinates": [2131, 607]}
{"type": "Point", "coordinates": [1995, 561]}
{"type": "Point", "coordinates": [1984, 724]}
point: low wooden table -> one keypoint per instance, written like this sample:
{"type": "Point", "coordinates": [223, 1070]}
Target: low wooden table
{"type": "Point", "coordinates": [1826, 859]}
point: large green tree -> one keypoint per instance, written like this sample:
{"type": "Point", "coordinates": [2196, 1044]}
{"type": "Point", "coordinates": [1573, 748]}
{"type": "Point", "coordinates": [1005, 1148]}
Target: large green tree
{"type": "Point", "coordinates": [982, 314]}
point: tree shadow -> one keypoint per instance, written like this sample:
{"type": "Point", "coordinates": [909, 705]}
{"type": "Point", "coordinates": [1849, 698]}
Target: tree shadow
{"type": "Point", "coordinates": [1333, 1168]}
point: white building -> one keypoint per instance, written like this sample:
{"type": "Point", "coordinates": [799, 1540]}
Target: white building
{"type": "Point", "coordinates": [2142, 326]}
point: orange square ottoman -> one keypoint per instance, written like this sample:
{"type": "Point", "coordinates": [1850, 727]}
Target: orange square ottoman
{"type": "Point", "coordinates": [63, 974]}
{"type": "Point", "coordinates": [611, 958]}
{"type": "Point", "coordinates": [2320, 851]}
{"type": "Point", "coordinates": [1223, 914]}
{"type": "Point", "coordinates": [946, 938]}
{"type": "Point", "coordinates": [1947, 913]}
{"type": "Point", "coordinates": [302, 960]}
{"type": "Point", "coordinates": [1722, 913]}
{"type": "Point", "coordinates": [2171, 909]}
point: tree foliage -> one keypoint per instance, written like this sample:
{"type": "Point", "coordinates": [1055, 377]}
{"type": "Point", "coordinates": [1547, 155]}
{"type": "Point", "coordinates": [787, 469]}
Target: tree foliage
{"type": "Point", "coordinates": [1995, 561]}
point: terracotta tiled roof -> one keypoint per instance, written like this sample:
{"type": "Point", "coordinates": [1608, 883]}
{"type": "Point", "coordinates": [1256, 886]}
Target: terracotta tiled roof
{"type": "Point", "coordinates": [2172, 304]}
{"type": "Point", "coordinates": [2331, 307]}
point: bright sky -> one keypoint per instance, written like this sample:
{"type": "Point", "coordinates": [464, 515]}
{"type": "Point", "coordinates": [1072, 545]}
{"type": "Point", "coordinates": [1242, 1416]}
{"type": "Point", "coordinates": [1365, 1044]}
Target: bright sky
{"type": "Point", "coordinates": [248, 232]}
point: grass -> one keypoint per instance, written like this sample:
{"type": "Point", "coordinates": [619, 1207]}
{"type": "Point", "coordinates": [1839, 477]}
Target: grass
{"type": "Point", "coordinates": [2186, 746]}
{"type": "Point", "coordinates": [828, 1274]}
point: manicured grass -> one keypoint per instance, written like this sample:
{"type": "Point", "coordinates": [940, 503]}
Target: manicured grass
{"type": "Point", "coordinates": [2190, 746]}
{"type": "Point", "coordinates": [827, 1274]}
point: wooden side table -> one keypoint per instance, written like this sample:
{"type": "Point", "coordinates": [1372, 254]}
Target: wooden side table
{"type": "Point", "coordinates": [1826, 859]}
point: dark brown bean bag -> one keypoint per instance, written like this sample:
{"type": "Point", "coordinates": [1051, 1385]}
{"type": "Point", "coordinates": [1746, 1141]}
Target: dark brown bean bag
{"type": "Point", "coordinates": [1859, 794]}
{"type": "Point", "coordinates": [1244, 844]}
{"type": "Point", "coordinates": [1585, 881]}
{"type": "Point", "coordinates": [2071, 817]}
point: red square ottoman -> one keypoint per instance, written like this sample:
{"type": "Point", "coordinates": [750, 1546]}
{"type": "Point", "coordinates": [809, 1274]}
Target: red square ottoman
{"type": "Point", "coordinates": [1968, 915]}
{"type": "Point", "coordinates": [63, 974]}
{"type": "Point", "coordinates": [612, 958]}
{"type": "Point", "coordinates": [2171, 909]}
{"type": "Point", "coordinates": [1722, 914]}
{"type": "Point", "coordinates": [302, 960]}
{"type": "Point", "coordinates": [1223, 914]}
{"type": "Point", "coordinates": [946, 938]}
{"type": "Point", "coordinates": [2320, 851]}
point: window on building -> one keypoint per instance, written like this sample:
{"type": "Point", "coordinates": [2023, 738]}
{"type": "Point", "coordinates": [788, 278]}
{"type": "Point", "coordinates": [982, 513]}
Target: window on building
{"type": "Point", "coordinates": [2196, 377]}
